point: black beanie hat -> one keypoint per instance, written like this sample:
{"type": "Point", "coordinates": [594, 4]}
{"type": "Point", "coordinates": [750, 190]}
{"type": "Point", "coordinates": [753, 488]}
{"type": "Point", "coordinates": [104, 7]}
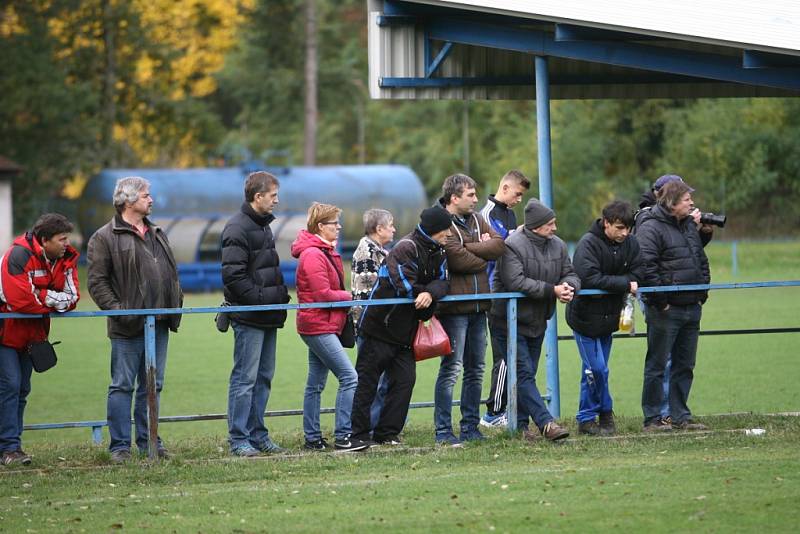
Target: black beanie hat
{"type": "Point", "coordinates": [433, 220]}
{"type": "Point", "coordinates": [537, 214]}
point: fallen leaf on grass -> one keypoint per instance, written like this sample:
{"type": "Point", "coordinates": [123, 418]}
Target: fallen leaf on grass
{"type": "Point", "coordinates": [700, 498]}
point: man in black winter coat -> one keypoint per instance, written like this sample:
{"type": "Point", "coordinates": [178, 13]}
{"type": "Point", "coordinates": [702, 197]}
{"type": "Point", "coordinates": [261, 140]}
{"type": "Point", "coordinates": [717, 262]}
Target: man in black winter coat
{"type": "Point", "coordinates": [415, 268]}
{"type": "Point", "coordinates": [673, 255]}
{"type": "Point", "coordinates": [252, 275]}
{"type": "Point", "coordinates": [608, 258]}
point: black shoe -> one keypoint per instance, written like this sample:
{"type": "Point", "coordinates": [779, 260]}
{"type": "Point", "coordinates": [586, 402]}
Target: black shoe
{"type": "Point", "coordinates": [607, 426]}
{"type": "Point", "coordinates": [319, 445]}
{"type": "Point", "coordinates": [350, 444]}
{"type": "Point", "coordinates": [392, 442]}
{"type": "Point", "coordinates": [16, 457]}
{"type": "Point", "coordinates": [589, 428]}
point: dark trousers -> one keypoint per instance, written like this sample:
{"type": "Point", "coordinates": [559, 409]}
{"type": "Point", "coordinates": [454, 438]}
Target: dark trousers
{"type": "Point", "coordinates": [374, 358]}
{"type": "Point", "coordinates": [530, 404]}
{"type": "Point", "coordinates": [674, 331]}
{"type": "Point", "coordinates": [496, 402]}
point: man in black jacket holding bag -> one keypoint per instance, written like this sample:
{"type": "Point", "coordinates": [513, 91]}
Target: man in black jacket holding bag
{"type": "Point", "coordinates": [608, 258]}
{"type": "Point", "coordinates": [415, 268]}
{"type": "Point", "coordinates": [252, 275]}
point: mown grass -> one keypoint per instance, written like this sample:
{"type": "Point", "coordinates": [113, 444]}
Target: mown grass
{"type": "Point", "coordinates": [718, 481]}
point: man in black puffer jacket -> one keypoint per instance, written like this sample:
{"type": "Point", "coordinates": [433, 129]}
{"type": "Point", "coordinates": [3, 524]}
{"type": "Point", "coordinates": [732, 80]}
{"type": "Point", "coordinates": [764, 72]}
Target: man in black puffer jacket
{"type": "Point", "coordinates": [673, 255]}
{"type": "Point", "coordinates": [252, 275]}
{"type": "Point", "coordinates": [608, 258]}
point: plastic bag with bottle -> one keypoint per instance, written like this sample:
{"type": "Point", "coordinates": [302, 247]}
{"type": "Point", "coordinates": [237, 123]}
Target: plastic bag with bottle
{"type": "Point", "coordinates": [626, 320]}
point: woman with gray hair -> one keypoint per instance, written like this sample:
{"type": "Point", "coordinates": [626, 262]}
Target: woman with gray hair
{"type": "Point", "coordinates": [370, 254]}
{"type": "Point", "coordinates": [367, 260]}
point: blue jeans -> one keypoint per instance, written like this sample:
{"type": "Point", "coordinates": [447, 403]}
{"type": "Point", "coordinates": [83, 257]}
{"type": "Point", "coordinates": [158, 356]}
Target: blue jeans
{"type": "Point", "coordinates": [15, 384]}
{"type": "Point", "coordinates": [530, 404]}
{"type": "Point", "coordinates": [127, 369]}
{"type": "Point", "coordinates": [325, 353]}
{"type": "Point", "coordinates": [250, 383]}
{"type": "Point", "coordinates": [468, 340]}
{"type": "Point", "coordinates": [595, 397]}
{"type": "Point", "coordinates": [671, 333]}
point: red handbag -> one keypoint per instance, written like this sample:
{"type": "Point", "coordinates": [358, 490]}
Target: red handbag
{"type": "Point", "coordinates": [431, 340]}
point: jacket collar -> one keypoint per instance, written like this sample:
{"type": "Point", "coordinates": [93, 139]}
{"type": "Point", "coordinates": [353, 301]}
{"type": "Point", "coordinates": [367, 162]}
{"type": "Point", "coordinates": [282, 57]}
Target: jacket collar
{"type": "Point", "coordinates": [261, 220]}
{"type": "Point", "coordinates": [498, 203]}
{"type": "Point", "coordinates": [118, 224]}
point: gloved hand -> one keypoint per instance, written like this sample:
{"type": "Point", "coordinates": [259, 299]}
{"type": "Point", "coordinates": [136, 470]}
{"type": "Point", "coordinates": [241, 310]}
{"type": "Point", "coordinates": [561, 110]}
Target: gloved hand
{"type": "Point", "coordinates": [57, 300]}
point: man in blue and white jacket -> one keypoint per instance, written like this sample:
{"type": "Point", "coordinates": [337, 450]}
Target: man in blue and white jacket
{"type": "Point", "coordinates": [498, 213]}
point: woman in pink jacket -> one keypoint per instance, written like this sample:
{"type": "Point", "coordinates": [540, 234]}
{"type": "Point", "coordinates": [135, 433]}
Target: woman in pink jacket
{"type": "Point", "coordinates": [320, 278]}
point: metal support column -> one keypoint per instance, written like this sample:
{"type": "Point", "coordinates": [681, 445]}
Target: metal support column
{"type": "Point", "coordinates": [150, 369]}
{"type": "Point", "coordinates": [511, 365]}
{"type": "Point", "coordinates": [546, 197]}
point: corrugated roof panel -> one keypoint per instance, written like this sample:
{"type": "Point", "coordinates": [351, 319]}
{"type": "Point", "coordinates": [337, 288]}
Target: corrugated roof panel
{"type": "Point", "coordinates": [770, 25]}
{"type": "Point", "coordinates": [398, 52]}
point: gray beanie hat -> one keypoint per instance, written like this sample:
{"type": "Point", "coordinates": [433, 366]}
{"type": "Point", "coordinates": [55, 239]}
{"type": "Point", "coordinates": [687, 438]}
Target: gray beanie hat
{"type": "Point", "coordinates": [537, 214]}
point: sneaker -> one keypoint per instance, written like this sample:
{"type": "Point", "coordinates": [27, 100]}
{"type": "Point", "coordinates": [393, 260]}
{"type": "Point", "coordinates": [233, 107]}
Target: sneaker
{"type": "Point", "coordinates": [494, 420]}
{"type": "Point", "coordinates": [667, 419]}
{"type": "Point", "coordinates": [530, 435]}
{"type": "Point", "coordinates": [657, 425]}
{"type": "Point", "coordinates": [473, 434]}
{"type": "Point", "coordinates": [318, 445]}
{"type": "Point", "coordinates": [268, 446]}
{"type": "Point", "coordinates": [589, 428]}
{"type": "Point", "coordinates": [607, 426]}
{"type": "Point", "coordinates": [552, 431]}
{"type": "Point", "coordinates": [688, 424]}
{"type": "Point", "coordinates": [349, 444]}
{"type": "Point", "coordinates": [120, 456]}
{"type": "Point", "coordinates": [16, 457]}
{"type": "Point", "coordinates": [245, 450]}
{"type": "Point", "coordinates": [448, 439]}
{"type": "Point", "coordinates": [163, 453]}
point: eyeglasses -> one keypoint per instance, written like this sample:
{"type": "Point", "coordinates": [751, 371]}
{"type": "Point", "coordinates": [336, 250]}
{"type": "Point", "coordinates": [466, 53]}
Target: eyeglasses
{"type": "Point", "coordinates": [331, 222]}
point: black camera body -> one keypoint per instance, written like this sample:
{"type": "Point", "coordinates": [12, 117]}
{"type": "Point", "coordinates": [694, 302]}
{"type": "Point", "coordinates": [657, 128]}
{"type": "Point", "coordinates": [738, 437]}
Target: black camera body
{"type": "Point", "coordinates": [711, 218]}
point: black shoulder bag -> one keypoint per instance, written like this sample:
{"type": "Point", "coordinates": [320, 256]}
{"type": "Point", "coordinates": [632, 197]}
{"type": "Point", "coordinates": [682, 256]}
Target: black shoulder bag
{"type": "Point", "coordinates": [42, 355]}
{"type": "Point", "coordinates": [347, 337]}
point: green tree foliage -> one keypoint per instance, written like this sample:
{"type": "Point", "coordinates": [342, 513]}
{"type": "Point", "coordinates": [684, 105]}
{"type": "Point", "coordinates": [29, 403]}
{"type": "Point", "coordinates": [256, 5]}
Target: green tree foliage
{"type": "Point", "coordinates": [93, 83]}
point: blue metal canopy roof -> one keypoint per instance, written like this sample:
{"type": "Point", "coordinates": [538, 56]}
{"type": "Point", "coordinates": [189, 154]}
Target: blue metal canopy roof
{"type": "Point", "coordinates": [440, 51]}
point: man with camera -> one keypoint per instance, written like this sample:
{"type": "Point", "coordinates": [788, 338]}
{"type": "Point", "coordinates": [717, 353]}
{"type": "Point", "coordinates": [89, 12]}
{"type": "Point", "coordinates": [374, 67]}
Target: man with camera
{"type": "Point", "coordinates": [39, 275]}
{"type": "Point", "coordinates": [673, 255]}
{"type": "Point", "coordinates": [705, 223]}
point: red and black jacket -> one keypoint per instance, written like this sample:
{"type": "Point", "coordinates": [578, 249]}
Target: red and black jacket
{"type": "Point", "coordinates": [25, 277]}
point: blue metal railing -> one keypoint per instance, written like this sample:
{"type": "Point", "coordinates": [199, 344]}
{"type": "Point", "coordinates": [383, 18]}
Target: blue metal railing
{"type": "Point", "coordinates": [553, 386]}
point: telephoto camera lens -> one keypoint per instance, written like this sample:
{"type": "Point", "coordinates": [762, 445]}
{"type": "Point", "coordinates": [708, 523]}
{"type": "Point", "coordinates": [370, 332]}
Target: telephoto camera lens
{"type": "Point", "coordinates": [716, 220]}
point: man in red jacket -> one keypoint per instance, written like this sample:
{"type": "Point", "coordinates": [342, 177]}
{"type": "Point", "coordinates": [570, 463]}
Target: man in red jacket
{"type": "Point", "coordinates": [38, 274]}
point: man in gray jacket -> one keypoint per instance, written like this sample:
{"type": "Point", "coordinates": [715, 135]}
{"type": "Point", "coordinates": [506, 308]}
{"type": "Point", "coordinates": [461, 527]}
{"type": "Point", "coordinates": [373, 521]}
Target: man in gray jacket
{"type": "Point", "coordinates": [131, 266]}
{"type": "Point", "coordinates": [536, 263]}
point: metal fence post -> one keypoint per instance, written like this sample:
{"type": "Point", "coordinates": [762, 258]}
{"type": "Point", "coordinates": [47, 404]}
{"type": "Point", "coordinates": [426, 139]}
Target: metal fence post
{"type": "Point", "coordinates": [150, 368]}
{"type": "Point", "coordinates": [511, 364]}
{"type": "Point", "coordinates": [734, 260]}
{"type": "Point", "coordinates": [553, 385]}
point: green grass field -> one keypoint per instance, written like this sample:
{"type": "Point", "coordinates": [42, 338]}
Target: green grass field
{"type": "Point", "coordinates": [722, 480]}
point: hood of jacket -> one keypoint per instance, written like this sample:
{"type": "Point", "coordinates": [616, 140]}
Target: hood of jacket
{"type": "Point", "coordinates": [306, 240]}
{"type": "Point", "coordinates": [647, 199]}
